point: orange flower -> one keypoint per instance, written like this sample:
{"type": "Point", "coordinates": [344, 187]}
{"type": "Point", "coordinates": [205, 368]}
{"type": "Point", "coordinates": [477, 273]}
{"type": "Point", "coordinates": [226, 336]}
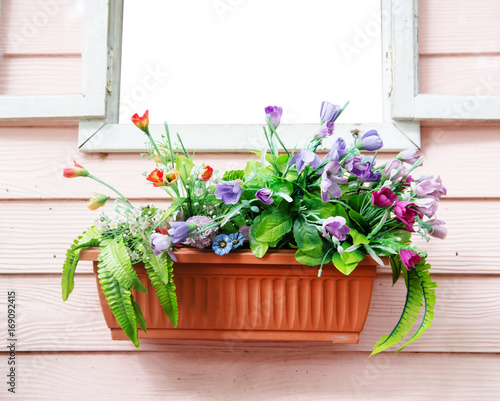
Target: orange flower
{"type": "Point", "coordinates": [141, 122]}
{"type": "Point", "coordinates": [79, 171]}
{"type": "Point", "coordinates": [205, 173]}
{"type": "Point", "coordinates": [171, 178]}
{"type": "Point", "coordinates": [156, 177]}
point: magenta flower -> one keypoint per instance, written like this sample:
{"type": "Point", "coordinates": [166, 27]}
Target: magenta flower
{"type": "Point", "coordinates": [337, 151]}
{"type": "Point", "coordinates": [395, 170]}
{"type": "Point", "coordinates": [161, 243]}
{"type": "Point", "coordinates": [305, 158]}
{"type": "Point", "coordinates": [265, 195]}
{"type": "Point", "coordinates": [408, 156]}
{"type": "Point", "coordinates": [438, 231]}
{"type": "Point", "coordinates": [384, 198]}
{"type": "Point", "coordinates": [429, 186]}
{"type": "Point", "coordinates": [405, 214]}
{"type": "Point", "coordinates": [336, 226]}
{"type": "Point", "coordinates": [328, 112]}
{"type": "Point", "coordinates": [228, 191]}
{"type": "Point", "coordinates": [409, 258]}
{"type": "Point", "coordinates": [325, 130]}
{"type": "Point", "coordinates": [371, 141]}
{"type": "Point", "coordinates": [330, 180]}
{"type": "Point", "coordinates": [275, 112]}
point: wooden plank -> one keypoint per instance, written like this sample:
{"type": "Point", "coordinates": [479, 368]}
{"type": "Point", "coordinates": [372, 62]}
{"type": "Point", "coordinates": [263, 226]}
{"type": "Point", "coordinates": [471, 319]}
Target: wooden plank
{"type": "Point", "coordinates": [471, 246]}
{"type": "Point", "coordinates": [42, 153]}
{"type": "Point", "coordinates": [458, 26]}
{"type": "Point", "coordinates": [33, 75]}
{"type": "Point", "coordinates": [459, 75]}
{"type": "Point", "coordinates": [41, 27]}
{"type": "Point", "coordinates": [273, 375]}
{"type": "Point", "coordinates": [467, 319]}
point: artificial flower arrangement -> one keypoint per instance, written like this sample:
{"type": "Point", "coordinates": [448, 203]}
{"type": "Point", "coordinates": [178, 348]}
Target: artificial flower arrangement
{"type": "Point", "coordinates": [334, 211]}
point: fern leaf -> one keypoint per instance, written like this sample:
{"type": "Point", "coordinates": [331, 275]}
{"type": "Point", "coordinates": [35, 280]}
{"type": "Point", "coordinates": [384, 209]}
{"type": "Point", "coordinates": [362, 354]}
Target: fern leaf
{"type": "Point", "coordinates": [139, 316]}
{"type": "Point", "coordinates": [87, 239]}
{"type": "Point", "coordinates": [115, 257]}
{"type": "Point", "coordinates": [120, 301]}
{"type": "Point", "coordinates": [165, 289]}
{"type": "Point", "coordinates": [410, 312]}
{"type": "Point", "coordinates": [429, 296]}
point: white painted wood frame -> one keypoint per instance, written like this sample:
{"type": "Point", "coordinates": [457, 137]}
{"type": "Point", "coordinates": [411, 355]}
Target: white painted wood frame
{"type": "Point", "coordinates": [408, 103]}
{"type": "Point", "coordinates": [91, 102]}
{"type": "Point", "coordinates": [106, 135]}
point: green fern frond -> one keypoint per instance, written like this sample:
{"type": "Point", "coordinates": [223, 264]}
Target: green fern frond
{"type": "Point", "coordinates": [87, 239]}
{"type": "Point", "coordinates": [159, 269]}
{"type": "Point", "coordinates": [411, 309]}
{"type": "Point", "coordinates": [139, 317]}
{"type": "Point", "coordinates": [429, 296]}
{"type": "Point", "coordinates": [120, 301]}
{"type": "Point", "coordinates": [115, 257]}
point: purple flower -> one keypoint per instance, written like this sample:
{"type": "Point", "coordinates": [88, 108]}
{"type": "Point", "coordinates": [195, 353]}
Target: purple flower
{"type": "Point", "coordinates": [245, 231]}
{"type": "Point", "coordinates": [265, 195]}
{"type": "Point", "coordinates": [161, 243]}
{"type": "Point", "coordinates": [427, 206]}
{"type": "Point", "coordinates": [337, 151]}
{"type": "Point", "coordinates": [384, 198]}
{"type": "Point", "coordinates": [409, 258]}
{"type": "Point", "coordinates": [328, 111]}
{"type": "Point", "coordinates": [405, 214]}
{"type": "Point", "coordinates": [305, 158]}
{"type": "Point", "coordinates": [228, 191]}
{"type": "Point", "coordinates": [408, 156]}
{"type": "Point", "coordinates": [429, 186]}
{"type": "Point", "coordinates": [395, 170]}
{"type": "Point", "coordinates": [371, 141]}
{"type": "Point", "coordinates": [205, 238]}
{"type": "Point", "coordinates": [336, 226]}
{"type": "Point", "coordinates": [362, 170]}
{"type": "Point", "coordinates": [178, 231]}
{"type": "Point", "coordinates": [325, 130]}
{"type": "Point", "coordinates": [438, 231]}
{"type": "Point", "coordinates": [330, 180]}
{"type": "Point", "coordinates": [275, 112]}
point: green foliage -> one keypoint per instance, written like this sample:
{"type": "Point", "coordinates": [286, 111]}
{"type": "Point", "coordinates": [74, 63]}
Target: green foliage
{"type": "Point", "coordinates": [358, 238]}
{"type": "Point", "coordinates": [120, 301]}
{"type": "Point", "coordinates": [347, 261]}
{"type": "Point", "coordinates": [307, 259]}
{"type": "Point", "coordinates": [419, 288]}
{"type": "Point", "coordinates": [233, 175]}
{"type": "Point", "coordinates": [87, 239]}
{"type": "Point", "coordinates": [184, 166]}
{"type": "Point", "coordinates": [139, 317]}
{"type": "Point", "coordinates": [176, 204]}
{"type": "Point", "coordinates": [360, 221]}
{"type": "Point", "coordinates": [307, 237]}
{"type": "Point", "coordinates": [273, 227]}
{"type": "Point", "coordinates": [258, 248]}
{"type": "Point", "coordinates": [159, 270]}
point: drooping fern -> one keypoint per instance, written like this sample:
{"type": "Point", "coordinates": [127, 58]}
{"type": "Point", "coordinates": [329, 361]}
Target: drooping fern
{"type": "Point", "coordinates": [419, 288]}
{"type": "Point", "coordinates": [87, 239]}
{"type": "Point", "coordinates": [160, 269]}
{"type": "Point", "coordinates": [120, 301]}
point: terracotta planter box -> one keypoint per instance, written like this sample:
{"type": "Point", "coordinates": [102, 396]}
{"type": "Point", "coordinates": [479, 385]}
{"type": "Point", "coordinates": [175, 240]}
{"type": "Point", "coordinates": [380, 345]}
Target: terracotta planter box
{"type": "Point", "coordinates": [241, 297]}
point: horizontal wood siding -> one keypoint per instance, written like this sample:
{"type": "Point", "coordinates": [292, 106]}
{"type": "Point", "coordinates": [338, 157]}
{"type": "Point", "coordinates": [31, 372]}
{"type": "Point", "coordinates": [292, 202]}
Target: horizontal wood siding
{"type": "Point", "coordinates": [65, 349]}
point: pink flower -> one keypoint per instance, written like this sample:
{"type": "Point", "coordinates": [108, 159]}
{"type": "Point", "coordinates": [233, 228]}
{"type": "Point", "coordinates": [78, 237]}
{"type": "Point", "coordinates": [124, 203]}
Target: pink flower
{"type": "Point", "coordinates": [405, 214]}
{"type": "Point", "coordinates": [395, 170]}
{"type": "Point", "coordinates": [409, 258]}
{"type": "Point", "coordinates": [78, 171]}
{"type": "Point", "coordinates": [438, 231]}
{"type": "Point", "coordinates": [429, 186]}
{"type": "Point", "coordinates": [427, 206]}
{"type": "Point", "coordinates": [409, 155]}
{"type": "Point", "coordinates": [384, 198]}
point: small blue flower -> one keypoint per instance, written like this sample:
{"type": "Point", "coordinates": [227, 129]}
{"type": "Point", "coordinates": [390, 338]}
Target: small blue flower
{"type": "Point", "coordinates": [237, 239]}
{"type": "Point", "coordinates": [222, 244]}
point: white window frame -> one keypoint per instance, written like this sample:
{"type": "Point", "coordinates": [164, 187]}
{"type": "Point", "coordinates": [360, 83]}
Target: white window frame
{"type": "Point", "coordinates": [409, 104]}
{"type": "Point", "coordinates": [91, 102]}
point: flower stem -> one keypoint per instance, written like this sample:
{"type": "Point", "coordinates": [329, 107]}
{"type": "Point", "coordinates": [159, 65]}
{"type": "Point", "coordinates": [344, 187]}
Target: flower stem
{"type": "Point", "coordinates": [123, 199]}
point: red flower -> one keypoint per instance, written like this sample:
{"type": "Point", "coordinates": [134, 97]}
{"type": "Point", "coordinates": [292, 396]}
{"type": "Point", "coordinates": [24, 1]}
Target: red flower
{"type": "Point", "coordinates": [384, 198]}
{"type": "Point", "coordinates": [156, 177]}
{"type": "Point", "coordinates": [79, 171]}
{"type": "Point", "coordinates": [205, 173]}
{"type": "Point", "coordinates": [409, 258]}
{"type": "Point", "coordinates": [405, 214]}
{"type": "Point", "coordinates": [141, 122]}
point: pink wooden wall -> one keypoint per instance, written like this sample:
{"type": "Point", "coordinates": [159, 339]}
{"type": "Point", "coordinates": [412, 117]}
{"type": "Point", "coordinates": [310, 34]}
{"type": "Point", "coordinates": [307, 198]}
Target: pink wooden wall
{"type": "Point", "coordinates": [66, 350]}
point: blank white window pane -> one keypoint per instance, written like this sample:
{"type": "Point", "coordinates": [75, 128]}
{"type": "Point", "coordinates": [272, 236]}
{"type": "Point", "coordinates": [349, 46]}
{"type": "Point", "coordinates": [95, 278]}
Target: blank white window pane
{"type": "Point", "coordinates": [211, 62]}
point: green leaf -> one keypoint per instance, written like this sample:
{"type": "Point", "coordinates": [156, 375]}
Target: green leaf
{"type": "Point", "coordinates": [355, 256]}
{"type": "Point", "coordinates": [355, 202]}
{"type": "Point", "coordinates": [374, 255]}
{"type": "Point", "coordinates": [139, 317]}
{"type": "Point", "coordinates": [307, 259]}
{"type": "Point", "coordinates": [358, 238]}
{"type": "Point", "coordinates": [120, 301]}
{"type": "Point", "coordinates": [281, 163]}
{"type": "Point", "coordinates": [345, 268]}
{"type": "Point", "coordinates": [259, 249]}
{"type": "Point", "coordinates": [320, 208]}
{"type": "Point", "coordinates": [340, 211]}
{"type": "Point", "coordinates": [176, 204]}
{"type": "Point", "coordinates": [184, 166]}
{"type": "Point", "coordinates": [282, 186]}
{"type": "Point", "coordinates": [233, 175]}
{"type": "Point", "coordinates": [271, 159]}
{"type": "Point", "coordinates": [160, 265]}
{"type": "Point", "coordinates": [396, 266]}
{"type": "Point", "coordinates": [165, 292]}
{"type": "Point", "coordinates": [359, 220]}
{"type": "Point", "coordinates": [115, 257]}
{"type": "Point", "coordinates": [251, 167]}
{"type": "Point", "coordinates": [273, 227]}
{"type": "Point", "coordinates": [307, 237]}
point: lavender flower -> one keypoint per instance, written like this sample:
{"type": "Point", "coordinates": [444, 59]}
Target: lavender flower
{"type": "Point", "coordinates": [228, 191]}
{"type": "Point", "coordinates": [275, 112]}
{"type": "Point", "coordinates": [371, 141]}
{"type": "Point", "coordinates": [305, 158]}
{"type": "Point", "coordinates": [429, 186]}
{"type": "Point", "coordinates": [205, 238]}
{"type": "Point", "coordinates": [427, 206]}
{"type": "Point", "coordinates": [161, 243]}
{"type": "Point", "coordinates": [336, 226]}
{"type": "Point", "coordinates": [328, 111]}
{"type": "Point", "coordinates": [178, 231]}
{"type": "Point", "coordinates": [337, 151]}
{"type": "Point", "coordinates": [325, 130]}
{"type": "Point", "coordinates": [245, 231]}
{"type": "Point", "coordinates": [330, 180]}
{"type": "Point", "coordinates": [438, 231]}
{"type": "Point", "coordinates": [265, 195]}
{"type": "Point", "coordinates": [362, 169]}
{"type": "Point", "coordinates": [408, 156]}
{"type": "Point", "coordinates": [395, 170]}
